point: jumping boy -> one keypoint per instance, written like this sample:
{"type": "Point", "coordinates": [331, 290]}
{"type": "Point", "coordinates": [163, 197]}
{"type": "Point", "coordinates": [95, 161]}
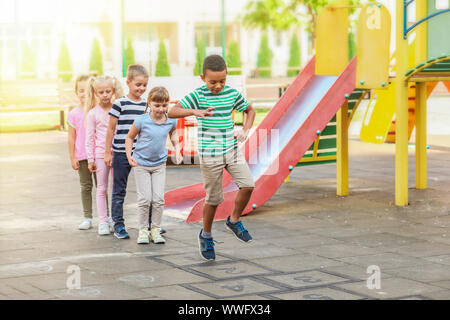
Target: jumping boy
{"type": "Point", "coordinates": [213, 105]}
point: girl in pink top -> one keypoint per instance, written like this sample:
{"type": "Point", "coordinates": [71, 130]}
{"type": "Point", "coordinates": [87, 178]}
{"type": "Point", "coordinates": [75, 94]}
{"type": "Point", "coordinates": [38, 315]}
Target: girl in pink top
{"type": "Point", "coordinates": [100, 94]}
{"type": "Point", "coordinates": [77, 150]}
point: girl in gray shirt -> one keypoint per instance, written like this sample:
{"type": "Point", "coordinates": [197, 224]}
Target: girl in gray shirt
{"type": "Point", "coordinates": [149, 161]}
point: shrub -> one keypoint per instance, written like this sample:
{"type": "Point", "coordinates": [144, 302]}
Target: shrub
{"type": "Point", "coordinates": [129, 54]}
{"type": "Point", "coordinates": [351, 45]}
{"type": "Point", "coordinates": [96, 61]}
{"type": "Point", "coordinates": [200, 56]}
{"type": "Point", "coordinates": [64, 64]}
{"type": "Point", "coordinates": [294, 56]}
{"type": "Point", "coordinates": [264, 57]}
{"type": "Point", "coordinates": [233, 57]}
{"type": "Point", "coordinates": [28, 65]}
{"type": "Point", "coordinates": [162, 64]}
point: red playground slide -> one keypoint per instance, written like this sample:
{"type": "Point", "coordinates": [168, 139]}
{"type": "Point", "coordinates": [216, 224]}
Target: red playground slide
{"type": "Point", "coordinates": [277, 144]}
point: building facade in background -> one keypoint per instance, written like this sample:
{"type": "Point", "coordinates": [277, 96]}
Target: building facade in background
{"type": "Point", "coordinates": [42, 25]}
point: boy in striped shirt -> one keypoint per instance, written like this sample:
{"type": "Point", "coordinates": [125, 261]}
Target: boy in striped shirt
{"type": "Point", "coordinates": [213, 105]}
{"type": "Point", "coordinates": [122, 115]}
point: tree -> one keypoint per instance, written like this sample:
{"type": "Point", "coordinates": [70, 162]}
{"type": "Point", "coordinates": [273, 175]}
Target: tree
{"type": "Point", "coordinates": [200, 56]}
{"type": "Point", "coordinates": [268, 13]}
{"type": "Point", "coordinates": [264, 57]}
{"type": "Point", "coordinates": [129, 54]}
{"type": "Point", "coordinates": [28, 65]}
{"type": "Point", "coordinates": [234, 58]}
{"type": "Point", "coordinates": [294, 56]}
{"type": "Point", "coordinates": [64, 64]}
{"type": "Point", "coordinates": [162, 64]}
{"type": "Point", "coordinates": [281, 15]}
{"type": "Point", "coordinates": [313, 8]}
{"type": "Point", "coordinates": [96, 62]}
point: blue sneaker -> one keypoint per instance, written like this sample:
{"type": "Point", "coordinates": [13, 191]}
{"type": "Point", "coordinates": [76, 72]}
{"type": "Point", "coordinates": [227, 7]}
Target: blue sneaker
{"type": "Point", "coordinates": [206, 247]}
{"type": "Point", "coordinates": [239, 231]}
{"type": "Point", "coordinates": [121, 233]}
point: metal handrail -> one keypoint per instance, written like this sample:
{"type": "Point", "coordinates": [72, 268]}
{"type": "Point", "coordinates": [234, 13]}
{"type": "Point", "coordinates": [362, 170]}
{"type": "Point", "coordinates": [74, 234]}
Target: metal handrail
{"type": "Point", "coordinates": [406, 30]}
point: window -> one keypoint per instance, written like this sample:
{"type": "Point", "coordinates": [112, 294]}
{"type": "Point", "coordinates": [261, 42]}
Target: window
{"type": "Point", "coordinates": [442, 4]}
{"type": "Point", "coordinates": [210, 33]}
{"type": "Point", "coordinates": [201, 32]}
{"type": "Point", "coordinates": [278, 38]}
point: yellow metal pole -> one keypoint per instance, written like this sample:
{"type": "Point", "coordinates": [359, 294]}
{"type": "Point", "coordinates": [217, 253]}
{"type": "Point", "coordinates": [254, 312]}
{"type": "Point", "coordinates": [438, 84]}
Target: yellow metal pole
{"type": "Point", "coordinates": [342, 151]}
{"type": "Point", "coordinates": [421, 32]}
{"type": "Point", "coordinates": [421, 135]}
{"type": "Point", "coordinates": [401, 109]}
{"type": "Point", "coordinates": [421, 99]}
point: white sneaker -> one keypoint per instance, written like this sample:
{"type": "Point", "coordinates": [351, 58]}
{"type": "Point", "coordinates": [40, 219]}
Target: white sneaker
{"type": "Point", "coordinates": [155, 235]}
{"type": "Point", "coordinates": [85, 225]}
{"type": "Point", "coordinates": [143, 237]}
{"type": "Point", "coordinates": [111, 224]}
{"type": "Point", "coordinates": [103, 228]}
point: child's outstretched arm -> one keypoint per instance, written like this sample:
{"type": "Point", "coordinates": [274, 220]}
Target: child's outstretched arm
{"type": "Point", "coordinates": [132, 133]}
{"type": "Point", "coordinates": [249, 119]}
{"type": "Point", "coordinates": [71, 144]}
{"type": "Point", "coordinates": [109, 138]}
{"type": "Point", "coordinates": [177, 111]}
{"type": "Point", "coordinates": [176, 143]}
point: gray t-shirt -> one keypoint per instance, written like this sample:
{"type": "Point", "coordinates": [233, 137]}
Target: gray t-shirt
{"type": "Point", "coordinates": [151, 148]}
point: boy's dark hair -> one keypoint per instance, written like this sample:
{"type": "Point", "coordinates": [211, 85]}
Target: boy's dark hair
{"type": "Point", "coordinates": [214, 62]}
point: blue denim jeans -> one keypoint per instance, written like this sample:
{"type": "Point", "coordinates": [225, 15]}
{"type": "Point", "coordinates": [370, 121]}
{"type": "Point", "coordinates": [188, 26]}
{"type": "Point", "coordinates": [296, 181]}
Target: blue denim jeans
{"type": "Point", "coordinates": [121, 171]}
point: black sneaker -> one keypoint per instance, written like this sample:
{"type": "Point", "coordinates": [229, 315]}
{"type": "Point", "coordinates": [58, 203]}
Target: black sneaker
{"type": "Point", "coordinates": [238, 229]}
{"type": "Point", "coordinates": [206, 247]}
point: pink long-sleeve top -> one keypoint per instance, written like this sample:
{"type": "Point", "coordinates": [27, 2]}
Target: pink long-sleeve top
{"type": "Point", "coordinates": [76, 120]}
{"type": "Point", "coordinates": [96, 128]}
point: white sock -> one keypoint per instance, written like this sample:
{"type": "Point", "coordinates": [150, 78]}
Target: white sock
{"type": "Point", "coordinates": [207, 235]}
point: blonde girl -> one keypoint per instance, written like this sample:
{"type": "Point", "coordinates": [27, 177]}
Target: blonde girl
{"type": "Point", "coordinates": [101, 93]}
{"type": "Point", "coordinates": [77, 150]}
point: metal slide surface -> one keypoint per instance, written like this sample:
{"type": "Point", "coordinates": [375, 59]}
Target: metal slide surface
{"type": "Point", "coordinates": [277, 144]}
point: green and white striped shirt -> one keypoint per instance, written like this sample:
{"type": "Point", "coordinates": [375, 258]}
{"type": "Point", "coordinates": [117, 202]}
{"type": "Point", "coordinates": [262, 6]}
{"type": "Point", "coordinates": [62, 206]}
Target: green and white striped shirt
{"type": "Point", "coordinates": [215, 133]}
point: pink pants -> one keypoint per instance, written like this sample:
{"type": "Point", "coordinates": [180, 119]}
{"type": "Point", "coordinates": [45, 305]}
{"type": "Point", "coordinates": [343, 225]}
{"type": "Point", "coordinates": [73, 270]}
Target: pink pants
{"type": "Point", "coordinates": [102, 189]}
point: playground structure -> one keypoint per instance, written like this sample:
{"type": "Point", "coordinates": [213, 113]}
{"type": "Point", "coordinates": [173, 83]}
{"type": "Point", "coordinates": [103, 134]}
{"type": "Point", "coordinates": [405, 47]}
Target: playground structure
{"type": "Point", "coordinates": [321, 101]}
{"type": "Point", "coordinates": [378, 125]}
{"type": "Point", "coordinates": [312, 117]}
{"type": "Point", "coordinates": [424, 48]}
